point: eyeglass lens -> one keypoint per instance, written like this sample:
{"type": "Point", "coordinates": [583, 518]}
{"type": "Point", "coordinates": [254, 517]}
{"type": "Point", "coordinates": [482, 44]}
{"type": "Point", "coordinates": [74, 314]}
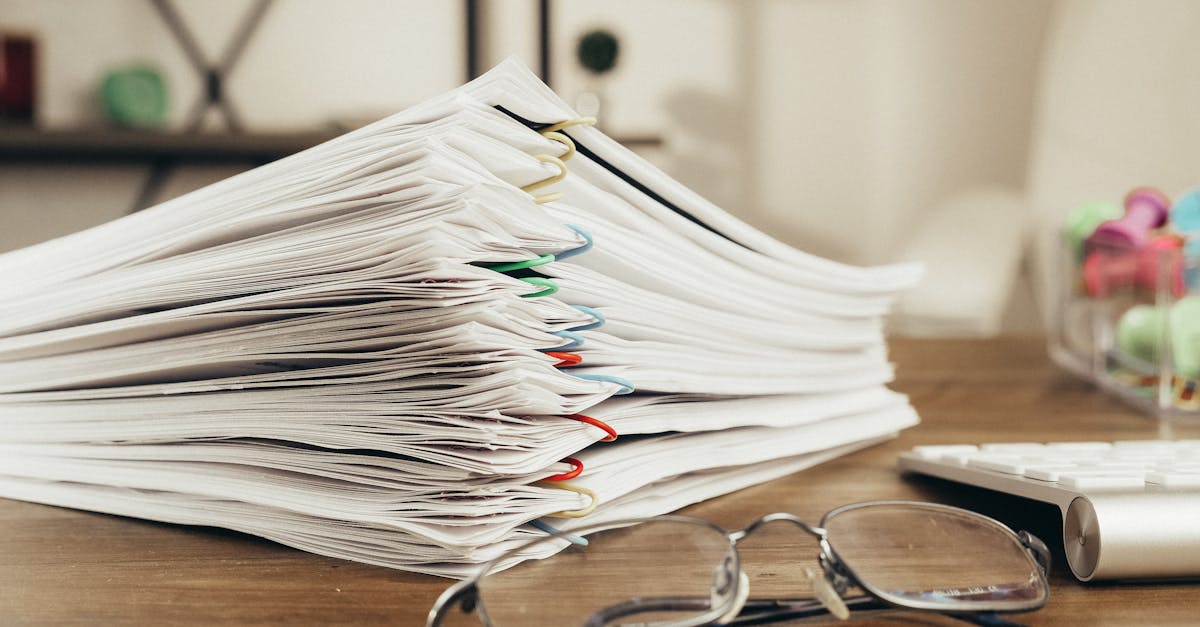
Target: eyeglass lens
{"type": "Point", "coordinates": [935, 556]}
{"type": "Point", "coordinates": [619, 576]}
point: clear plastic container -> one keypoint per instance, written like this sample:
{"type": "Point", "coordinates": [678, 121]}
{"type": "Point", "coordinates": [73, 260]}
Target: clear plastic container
{"type": "Point", "coordinates": [1129, 321]}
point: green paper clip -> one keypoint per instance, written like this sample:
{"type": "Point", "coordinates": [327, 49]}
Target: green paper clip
{"type": "Point", "coordinates": [550, 286]}
{"type": "Point", "coordinates": [521, 265]}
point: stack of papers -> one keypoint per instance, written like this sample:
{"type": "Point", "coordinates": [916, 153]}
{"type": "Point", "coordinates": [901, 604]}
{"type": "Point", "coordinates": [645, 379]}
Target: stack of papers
{"type": "Point", "coordinates": [415, 344]}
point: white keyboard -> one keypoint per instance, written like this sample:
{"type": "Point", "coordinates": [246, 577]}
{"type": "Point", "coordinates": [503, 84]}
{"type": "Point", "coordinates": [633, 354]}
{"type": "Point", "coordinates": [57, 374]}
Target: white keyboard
{"type": "Point", "coordinates": [1131, 509]}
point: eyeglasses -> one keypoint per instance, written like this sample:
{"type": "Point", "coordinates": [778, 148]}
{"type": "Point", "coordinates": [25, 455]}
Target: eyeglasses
{"type": "Point", "coordinates": [670, 571]}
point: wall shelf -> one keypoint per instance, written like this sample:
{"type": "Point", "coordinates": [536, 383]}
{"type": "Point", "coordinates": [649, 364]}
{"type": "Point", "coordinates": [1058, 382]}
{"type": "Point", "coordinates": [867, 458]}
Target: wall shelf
{"type": "Point", "coordinates": [103, 145]}
{"type": "Point", "coordinates": [162, 151]}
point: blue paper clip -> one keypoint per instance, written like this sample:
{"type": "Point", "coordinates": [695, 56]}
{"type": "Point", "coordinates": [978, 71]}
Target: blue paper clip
{"type": "Point", "coordinates": [607, 378]}
{"type": "Point", "coordinates": [575, 251]}
{"type": "Point", "coordinates": [576, 340]}
{"type": "Point", "coordinates": [569, 537]}
{"type": "Point", "coordinates": [593, 313]}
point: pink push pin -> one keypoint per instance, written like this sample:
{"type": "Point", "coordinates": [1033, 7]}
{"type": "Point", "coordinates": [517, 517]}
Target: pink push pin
{"type": "Point", "coordinates": [1162, 260]}
{"type": "Point", "coordinates": [1108, 271]}
{"type": "Point", "coordinates": [1146, 209]}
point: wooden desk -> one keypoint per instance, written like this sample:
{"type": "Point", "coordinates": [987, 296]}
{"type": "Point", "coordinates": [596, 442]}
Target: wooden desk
{"type": "Point", "coordinates": [63, 566]}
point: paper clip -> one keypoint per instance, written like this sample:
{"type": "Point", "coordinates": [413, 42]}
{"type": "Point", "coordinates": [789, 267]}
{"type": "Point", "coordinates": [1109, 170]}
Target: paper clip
{"type": "Point", "coordinates": [542, 199]}
{"type": "Point", "coordinates": [579, 250]}
{"type": "Point", "coordinates": [608, 378]}
{"type": "Point", "coordinates": [576, 468]}
{"type": "Point", "coordinates": [564, 140]}
{"type": "Point", "coordinates": [600, 424]}
{"type": "Point", "coordinates": [600, 320]}
{"type": "Point", "coordinates": [558, 126]}
{"type": "Point", "coordinates": [549, 287]}
{"type": "Point", "coordinates": [570, 487]}
{"type": "Point", "coordinates": [565, 360]}
{"type": "Point", "coordinates": [552, 132]}
{"type": "Point", "coordinates": [550, 180]}
{"type": "Point", "coordinates": [541, 525]}
{"type": "Point", "coordinates": [521, 265]}
{"type": "Point", "coordinates": [576, 340]}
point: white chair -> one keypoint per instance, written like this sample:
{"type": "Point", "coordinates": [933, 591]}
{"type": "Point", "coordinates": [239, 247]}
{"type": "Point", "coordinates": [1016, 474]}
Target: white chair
{"type": "Point", "coordinates": [1118, 106]}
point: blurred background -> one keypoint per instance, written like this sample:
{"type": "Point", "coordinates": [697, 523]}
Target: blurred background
{"type": "Point", "coordinates": [958, 132]}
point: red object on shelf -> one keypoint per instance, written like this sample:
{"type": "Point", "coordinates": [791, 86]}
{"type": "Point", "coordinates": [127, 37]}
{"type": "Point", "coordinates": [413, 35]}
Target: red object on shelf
{"type": "Point", "coordinates": [17, 74]}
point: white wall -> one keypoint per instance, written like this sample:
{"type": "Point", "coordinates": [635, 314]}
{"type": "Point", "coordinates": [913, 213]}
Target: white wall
{"type": "Point", "coordinates": [310, 64]}
{"type": "Point", "coordinates": [833, 124]}
{"type": "Point", "coordinates": [1120, 96]}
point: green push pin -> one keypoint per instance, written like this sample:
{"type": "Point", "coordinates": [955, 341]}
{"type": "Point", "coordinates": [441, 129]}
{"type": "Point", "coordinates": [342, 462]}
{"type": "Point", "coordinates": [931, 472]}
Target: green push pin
{"type": "Point", "coordinates": [1139, 332]}
{"type": "Point", "coordinates": [1140, 329]}
{"type": "Point", "coordinates": [1084, 219]}
{"type": "Point", "coordinates": [1185, 337]}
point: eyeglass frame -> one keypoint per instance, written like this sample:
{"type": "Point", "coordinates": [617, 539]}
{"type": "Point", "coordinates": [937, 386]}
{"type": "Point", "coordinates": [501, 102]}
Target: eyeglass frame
{"type": "Point", "coordinates": [837, 573]}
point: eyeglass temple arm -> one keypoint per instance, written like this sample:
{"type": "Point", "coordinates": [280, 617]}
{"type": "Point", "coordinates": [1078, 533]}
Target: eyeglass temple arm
{"type": "Point", "coordinates": [607, 615]}
{"type": "Point", "coordinates": [765, 611]}
{"type": "Point", "coordinates": [1036, 548]}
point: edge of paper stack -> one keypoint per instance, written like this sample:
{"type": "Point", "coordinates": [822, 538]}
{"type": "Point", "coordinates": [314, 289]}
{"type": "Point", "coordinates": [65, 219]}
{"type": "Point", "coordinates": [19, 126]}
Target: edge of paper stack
{"type": "Point", "coordinates": [414, 344]}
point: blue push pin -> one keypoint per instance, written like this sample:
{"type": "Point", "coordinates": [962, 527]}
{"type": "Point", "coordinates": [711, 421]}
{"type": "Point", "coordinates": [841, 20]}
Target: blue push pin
{"type": "Point", "coordinates": [1185, 217]}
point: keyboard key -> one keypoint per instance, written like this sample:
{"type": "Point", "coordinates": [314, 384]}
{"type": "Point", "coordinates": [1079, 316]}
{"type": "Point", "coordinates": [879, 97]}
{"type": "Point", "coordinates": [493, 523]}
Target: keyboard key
{"type": "Point", "coordinates": [1013, 448]}
{"type": "Point", "coordinates": [1087, 481]}
{"type": "Point", "coordinates": [1174, 480]}
{"type": "Point", "coordinates": [1009, 465]}
{"type": "Point", "coordinates": [937, 451]}
{"type": "Point", "coordinates": [1144, 445]}
{"type": "Point", "coordinates": [1118, 464]}
{"type": "Point", "coordinates": [1047, 473]}
{"type": "Point", "coordinates": [1076, 447]}
{"type": "Point", "coordinates": [958, 459]}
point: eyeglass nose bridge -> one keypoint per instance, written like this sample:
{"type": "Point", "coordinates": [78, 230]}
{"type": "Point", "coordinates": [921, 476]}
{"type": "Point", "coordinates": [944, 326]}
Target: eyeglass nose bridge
{"type": "Point", "coordinates": [745, 532]}
{"type": "Point", "coordinates": [835, 574]}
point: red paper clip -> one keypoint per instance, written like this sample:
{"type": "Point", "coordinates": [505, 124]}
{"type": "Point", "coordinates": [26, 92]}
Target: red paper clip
{"type": "Point", "coordinates": [570, 474]}
{"type": "Point", "coordinates": [566, 360]}
{"type": "Point", "coordinates": [612, 433]}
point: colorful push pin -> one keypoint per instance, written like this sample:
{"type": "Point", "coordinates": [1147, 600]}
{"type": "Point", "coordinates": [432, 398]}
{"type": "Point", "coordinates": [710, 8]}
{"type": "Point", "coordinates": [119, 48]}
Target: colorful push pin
{"type": "Point", "coordinates": [1084, 219]}
{"type": "Point", "coordinates": [1185, 218]}
{"type": "Point", "coordinates": [1191, 264]}
{"type": "Point", "coordinates": [1185, 213]}
{"type": "Point", "coordinates": [1185, 337]}
{"type": "Point", "coordinates": [1160, 265]}
{"type": "Point", "coordinates": [1105, 272]}
{"type": "Point", "coordinates": [1157, 265]}
{"type": "Point", "coordinates": [1139, 332]}
{"type": "Point", "coordinates": [1145, 210]}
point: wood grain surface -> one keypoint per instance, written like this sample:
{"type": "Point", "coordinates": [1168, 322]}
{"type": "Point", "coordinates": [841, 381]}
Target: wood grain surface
{"type": "Point", "coordinates": [60, 566]}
